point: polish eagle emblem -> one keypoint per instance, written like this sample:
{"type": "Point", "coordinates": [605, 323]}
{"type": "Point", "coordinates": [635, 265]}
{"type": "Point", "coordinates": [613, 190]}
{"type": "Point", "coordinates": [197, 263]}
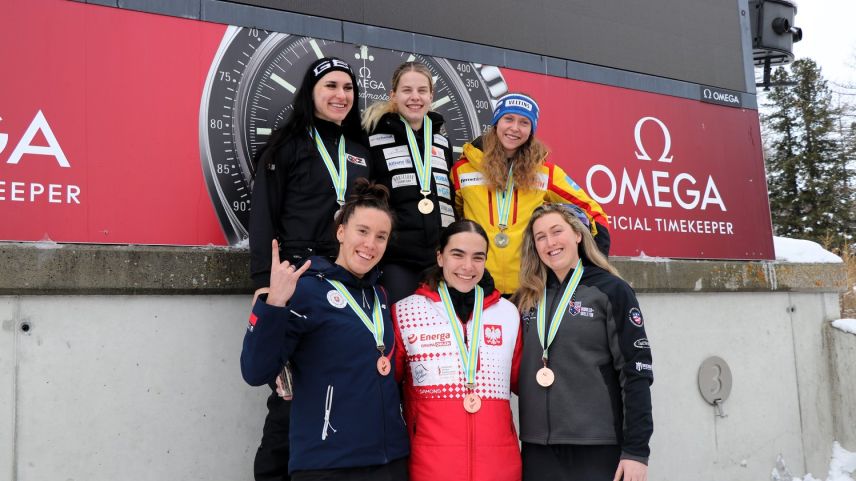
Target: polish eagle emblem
{"type": "Point", "coordinates": [493, 335]}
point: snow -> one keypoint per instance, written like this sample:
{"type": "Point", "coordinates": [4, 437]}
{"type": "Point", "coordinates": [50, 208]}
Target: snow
{"type": "Point", "coordinates": [244, 244]}
{"type": "Point", "coordinates": [846, 325]}
{"type": "Point", "coordinates": [841, 466]}
{"type": "Point", "coordinates": [797, 250]}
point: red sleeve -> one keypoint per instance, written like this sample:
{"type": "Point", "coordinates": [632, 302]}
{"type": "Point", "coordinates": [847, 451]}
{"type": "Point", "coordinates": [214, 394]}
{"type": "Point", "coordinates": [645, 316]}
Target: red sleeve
{"type": "Point", "coordinates": [515, 359]}
{"type": "Point", "coordinates": [398, 355]}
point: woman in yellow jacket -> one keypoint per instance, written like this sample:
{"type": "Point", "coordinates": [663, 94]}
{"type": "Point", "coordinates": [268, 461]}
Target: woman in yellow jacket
{"type": "Point", "coordinates": [503, 176]}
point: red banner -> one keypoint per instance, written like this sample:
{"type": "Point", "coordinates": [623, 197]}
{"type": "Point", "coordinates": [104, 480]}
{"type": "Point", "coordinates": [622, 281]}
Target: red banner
{"type": "Point", "coordinates": [125, 127]}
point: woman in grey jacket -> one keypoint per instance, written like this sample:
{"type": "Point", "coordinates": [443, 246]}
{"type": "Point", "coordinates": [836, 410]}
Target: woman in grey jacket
{"type": "Point", "coordinates": [585, 372]}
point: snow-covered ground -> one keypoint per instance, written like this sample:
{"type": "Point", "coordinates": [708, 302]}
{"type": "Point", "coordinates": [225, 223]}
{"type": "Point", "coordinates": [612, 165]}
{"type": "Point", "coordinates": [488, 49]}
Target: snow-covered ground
{"type": "Point", "coordinates": [846, 325]}
{"type": "Point", "coordinates": [797, 250]}
{"type": "Point", "coordinates": [841, 467]}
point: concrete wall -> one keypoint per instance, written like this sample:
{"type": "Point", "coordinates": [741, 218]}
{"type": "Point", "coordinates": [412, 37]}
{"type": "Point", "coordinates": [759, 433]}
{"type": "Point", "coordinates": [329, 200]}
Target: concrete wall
{"type": "Point", "coordinates": [842, 365]}
{"type": "Point", "coordinates": [780, 399]}
{"type": "Point", "coordinates": [125, 387]}
{"type": "Point", "coordinates": [139, 376]}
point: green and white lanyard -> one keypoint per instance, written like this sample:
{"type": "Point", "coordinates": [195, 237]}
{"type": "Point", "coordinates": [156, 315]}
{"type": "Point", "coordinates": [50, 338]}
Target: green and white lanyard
{"type": "Point", "coordinates": [558, 314]}
{"type": "Point", "coordinates": [503, 208]}
{"type": "Point", "coordinates": [422, 161]}
{"type": "Point", "coordinates": [340, 178]}
{"type": "Point", "coordinates": [375, 327]}
{"type": "Point", "coordinates": [469, 357]}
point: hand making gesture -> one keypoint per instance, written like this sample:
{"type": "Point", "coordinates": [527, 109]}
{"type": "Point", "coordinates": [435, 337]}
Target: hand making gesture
{"type": "Point", "coordinates": [283, 278]}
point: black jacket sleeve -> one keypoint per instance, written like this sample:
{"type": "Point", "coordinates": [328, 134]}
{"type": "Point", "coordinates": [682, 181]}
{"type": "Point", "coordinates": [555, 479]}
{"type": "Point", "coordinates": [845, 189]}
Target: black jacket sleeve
{"type": "Point", "coordinates": [266, 201]}
{"type": "Point", "coordinates": [632, 360]}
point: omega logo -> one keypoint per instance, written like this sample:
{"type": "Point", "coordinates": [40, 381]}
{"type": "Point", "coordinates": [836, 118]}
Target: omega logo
{"type": "Point", "coordinates": [637, 134]}
{"type": "Point", "coordinates": [710, 94]}
{"type": "Point", "coordinates": [663, 190]}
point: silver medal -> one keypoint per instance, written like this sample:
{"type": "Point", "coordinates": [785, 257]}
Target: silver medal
{"type": "Point", "coordinates": [501, 240]}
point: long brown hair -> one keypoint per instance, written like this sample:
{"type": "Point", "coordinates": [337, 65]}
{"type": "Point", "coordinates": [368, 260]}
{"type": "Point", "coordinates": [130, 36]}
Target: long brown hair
{"type": "Point", "coordinates": [527, 159]}
{"type": "Point", "coordinates": [533, 272]}
{"type": "Point", "coordinates": [373, 113]}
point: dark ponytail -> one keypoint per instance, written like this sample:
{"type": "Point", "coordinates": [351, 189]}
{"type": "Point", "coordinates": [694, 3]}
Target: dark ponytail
{"type": "Point", "coordinates": [365, 194]}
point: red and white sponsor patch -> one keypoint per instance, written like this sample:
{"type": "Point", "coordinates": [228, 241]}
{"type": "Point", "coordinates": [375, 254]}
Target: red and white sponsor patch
{"type": "Point", "coordinates": [636, 317]}
{"type": "Point", "coordinates": [253, 320]}
{"type": "Point", "coordinates": [493, 334]}
{"type": "Point", "coordinates": [356, 160]}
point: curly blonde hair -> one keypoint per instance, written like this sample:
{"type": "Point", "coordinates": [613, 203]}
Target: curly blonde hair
{"type": "Point", "coordinates": [533, 272]}
{"type": "Point", "coordinates": [528, 158]}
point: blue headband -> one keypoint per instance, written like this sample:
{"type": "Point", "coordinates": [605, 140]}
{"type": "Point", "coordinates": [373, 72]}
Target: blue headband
{"type": "Point", "coordinates": [517, 104]}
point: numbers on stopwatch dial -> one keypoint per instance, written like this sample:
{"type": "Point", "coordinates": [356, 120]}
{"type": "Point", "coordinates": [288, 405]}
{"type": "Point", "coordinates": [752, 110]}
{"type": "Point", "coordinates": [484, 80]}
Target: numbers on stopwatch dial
{"type": "Point", "coordinates": [252, 83]}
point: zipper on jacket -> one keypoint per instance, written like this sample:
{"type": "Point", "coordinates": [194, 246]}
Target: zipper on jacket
{"type": "Point", "coordinates": [547, 329]}
{"type": "Point", "coordinates": [383, 417]}
{"type": "Point", "coordinates": [328, 408]}
{"type": "Point", "coordinates": [471, 431]}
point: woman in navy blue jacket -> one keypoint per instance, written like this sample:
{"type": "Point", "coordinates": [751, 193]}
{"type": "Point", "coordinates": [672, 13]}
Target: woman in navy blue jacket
{"type": "Point", "coordinates": [332, 322]}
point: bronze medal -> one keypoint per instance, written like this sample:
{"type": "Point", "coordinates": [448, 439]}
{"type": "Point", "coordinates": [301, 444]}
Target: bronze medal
{"type": "Point", "coordinates": [545, 377]}
{"type": "Point", "coordinates": [383, 366]}
{"type": "Point", "coordinates": [426, 206]}
{"type": "Point", "coordinates": [472, 403]}
{"type": "Point", "coordinates": [501, 240]}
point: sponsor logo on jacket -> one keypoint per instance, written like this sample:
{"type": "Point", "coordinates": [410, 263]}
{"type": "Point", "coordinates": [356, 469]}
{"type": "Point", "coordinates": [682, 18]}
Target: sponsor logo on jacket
{"type": "Point", "coordinates": [471, 178]}
{"type": "Point", "coordinates": [642, 344]}
{"type": "Point", "coordinates": [641, 366]}
{"type": "Point", "coordinates": [442, 339]}
{"type": "Point", "coordinates": [577, 308]}
{"type": "Point", "coordinates": [356, 160]}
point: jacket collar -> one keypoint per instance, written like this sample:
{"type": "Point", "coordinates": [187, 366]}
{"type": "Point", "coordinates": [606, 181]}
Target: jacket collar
{"type": "Point", "coordinates": [473, 153]}
{"type": "Point", "coordinates": [491, 296]}
{"type": "Point", "coordinates": [326, 128]}
{"type": "Point", "coordinates": [390, 122]}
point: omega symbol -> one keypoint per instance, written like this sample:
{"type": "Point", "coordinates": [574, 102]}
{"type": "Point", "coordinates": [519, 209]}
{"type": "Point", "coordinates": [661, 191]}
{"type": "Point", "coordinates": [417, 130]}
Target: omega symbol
{"type": "Point", "coordinates": [637, 134]}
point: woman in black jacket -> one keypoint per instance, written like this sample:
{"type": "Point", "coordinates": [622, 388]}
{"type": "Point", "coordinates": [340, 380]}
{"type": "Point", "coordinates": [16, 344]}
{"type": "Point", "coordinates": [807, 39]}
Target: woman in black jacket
{"type": "Point", "coordinates": [303, 176]}
{"type": "Point", "coordinates": [412, 158]}
{"type": "Point", "coordinates": [585, 372]}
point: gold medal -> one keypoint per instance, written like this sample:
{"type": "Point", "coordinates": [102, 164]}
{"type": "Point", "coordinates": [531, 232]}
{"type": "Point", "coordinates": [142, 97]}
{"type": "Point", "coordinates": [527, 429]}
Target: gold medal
{"type": "Point", "coordinates": [472, 403]}
{"type": "Point", "coordinates": [383, 366]}
{"type": "Point", "coordinates": [545, 377]}
{"type": "Point", "coordinates": [501, 240]}
{"type": "Point", "coordinates": [426, 206]}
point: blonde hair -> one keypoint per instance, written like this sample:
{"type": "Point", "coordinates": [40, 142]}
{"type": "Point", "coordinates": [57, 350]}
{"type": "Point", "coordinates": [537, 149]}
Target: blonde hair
{"type": "Point", "coordinates": [527, 159]}
{"type": "Point", "coordinates": [373, 113]}
{"type": "Point", "coordinates": [533, 272]}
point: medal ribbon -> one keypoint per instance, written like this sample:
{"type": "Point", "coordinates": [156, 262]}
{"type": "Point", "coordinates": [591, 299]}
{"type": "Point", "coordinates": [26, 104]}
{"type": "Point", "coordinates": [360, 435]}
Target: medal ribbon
{"type": "Point", "coordinates": [560, 309]}
{"type": "Point", "coordinates": [469, 358]}
{"type": "Point", "coordinates": [503, 199]}
{"type": "Point", "coordinates": [339, 178]}
{"type": "Point", "coordinates": [375, 328]}
{"type": "Point", "coordinates": [422, 161]}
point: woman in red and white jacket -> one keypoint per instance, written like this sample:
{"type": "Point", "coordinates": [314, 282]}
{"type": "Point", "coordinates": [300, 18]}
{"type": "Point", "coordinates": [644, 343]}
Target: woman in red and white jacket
{"type": "Point", "coordinates": [459, 365]}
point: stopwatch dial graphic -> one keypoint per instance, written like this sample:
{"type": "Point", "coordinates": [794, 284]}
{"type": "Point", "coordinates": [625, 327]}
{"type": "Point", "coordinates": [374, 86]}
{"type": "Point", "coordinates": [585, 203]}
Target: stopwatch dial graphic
{"type": "Point", "coordinates": [251, 85]}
